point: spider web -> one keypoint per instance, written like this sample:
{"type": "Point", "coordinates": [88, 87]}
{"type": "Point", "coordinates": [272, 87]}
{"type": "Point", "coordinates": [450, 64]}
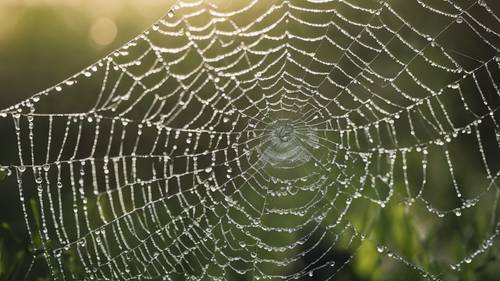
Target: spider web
{"type": "Point", "coordinates": [255, 138]}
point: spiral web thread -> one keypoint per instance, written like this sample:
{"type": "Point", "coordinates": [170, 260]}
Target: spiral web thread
{"type": "Point", "coordinates": [236, 139]}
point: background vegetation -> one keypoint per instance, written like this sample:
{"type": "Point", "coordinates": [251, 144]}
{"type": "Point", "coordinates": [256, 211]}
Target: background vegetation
{"type": "Point", "coordinates": [41, 43]}
{"type": "Point", "coordinates": [44, 41]}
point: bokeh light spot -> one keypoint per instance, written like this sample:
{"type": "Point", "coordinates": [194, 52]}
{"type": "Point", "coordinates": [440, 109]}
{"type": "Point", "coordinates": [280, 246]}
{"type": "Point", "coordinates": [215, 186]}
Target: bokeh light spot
{"type": "Point", "coordinates": [103, 32]}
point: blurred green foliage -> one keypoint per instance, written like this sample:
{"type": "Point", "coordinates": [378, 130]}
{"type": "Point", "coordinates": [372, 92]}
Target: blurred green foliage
{"type": "Point", "coordinates": [50, 42]}
{"type": "Point", "coordinates": [12, 254]}
{"type": "Point", "coordinates": [41, 43]}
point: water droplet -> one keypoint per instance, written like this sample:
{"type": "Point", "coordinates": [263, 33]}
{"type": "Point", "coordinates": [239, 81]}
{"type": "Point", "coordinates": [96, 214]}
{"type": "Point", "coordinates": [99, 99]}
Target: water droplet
{"type": "Point", "coordinates": [380, 248]}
